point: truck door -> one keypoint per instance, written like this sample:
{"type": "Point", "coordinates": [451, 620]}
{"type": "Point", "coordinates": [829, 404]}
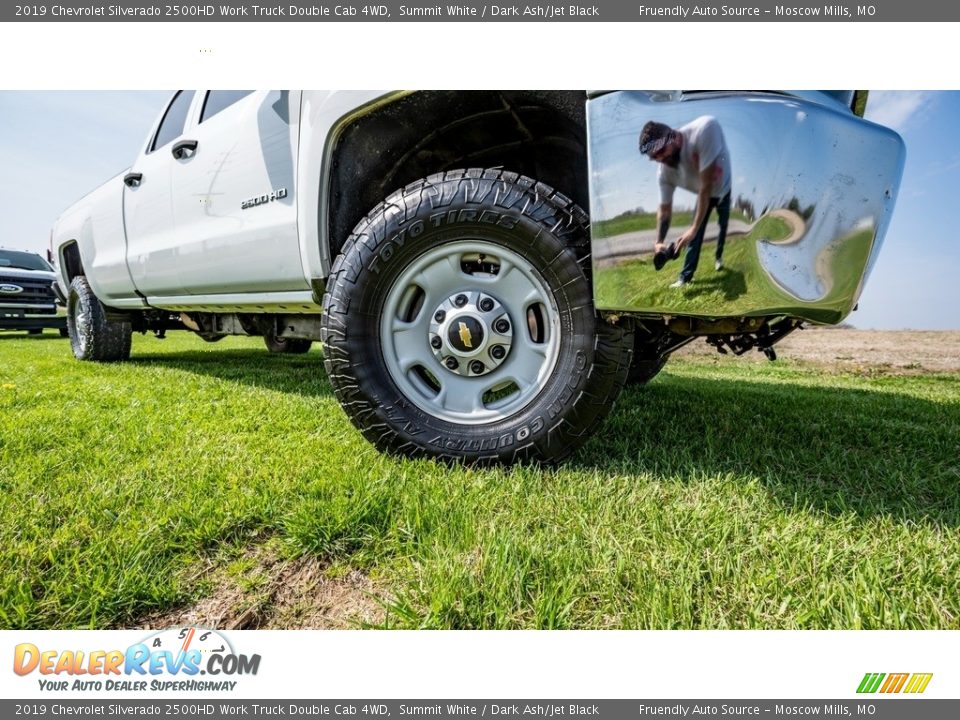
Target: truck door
{"type": "Point", "coordinates": [148, 206]}
{"type": "Point", "coordinates": [234, 199]}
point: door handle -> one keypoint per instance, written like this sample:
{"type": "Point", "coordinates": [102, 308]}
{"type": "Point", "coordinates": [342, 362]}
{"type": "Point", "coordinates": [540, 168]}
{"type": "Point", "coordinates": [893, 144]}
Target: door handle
{"type": "Point", "coordinates": [132, 180]}
{"type": "Point", "coordinates": [184, 149]}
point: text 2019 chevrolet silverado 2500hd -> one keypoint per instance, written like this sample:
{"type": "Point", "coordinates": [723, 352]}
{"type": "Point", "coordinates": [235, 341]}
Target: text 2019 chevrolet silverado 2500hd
{"type": "Point", "coordinates": [437, 243]}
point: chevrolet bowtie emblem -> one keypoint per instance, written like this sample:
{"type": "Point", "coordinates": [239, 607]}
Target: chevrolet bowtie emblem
{"type": "Point", "coordinates": [465, 337]}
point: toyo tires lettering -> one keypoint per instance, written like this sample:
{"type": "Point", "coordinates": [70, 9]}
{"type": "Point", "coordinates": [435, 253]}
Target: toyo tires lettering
{"type": "Point", "coordinates": [489, 217]}
{"type": "Point", "coordinates": [390, 247]}
{"type": "Point", "coordinates": [416, 228]}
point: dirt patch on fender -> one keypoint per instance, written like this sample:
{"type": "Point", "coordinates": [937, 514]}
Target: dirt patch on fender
{"type": "Point", "coordinates": [261, 590]}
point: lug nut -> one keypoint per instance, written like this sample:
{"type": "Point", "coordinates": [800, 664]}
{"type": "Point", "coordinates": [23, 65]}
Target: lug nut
{"type": "Point", "coordinates": [486, 304]}
{"type": "Point", "coordinates": [502, 325]}
{"type": "Point", "coordinates": [435, 342]}
{"type": "Point", "coordinates": [451, 363]}
{"type": "Point", "coordinates": [476, 367]}
{"type": "Point", "coordinates": [440, 316]}
{"type": "Point", "coordinates": [497, 352]}
{"type": "Point", "coordinates": [460, 300]}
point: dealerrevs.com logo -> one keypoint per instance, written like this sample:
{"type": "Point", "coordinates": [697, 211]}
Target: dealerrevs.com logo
{"type": "Point", "coordinates": [910, 683]}
{"type": "Point", "coordinates": [168, 660]}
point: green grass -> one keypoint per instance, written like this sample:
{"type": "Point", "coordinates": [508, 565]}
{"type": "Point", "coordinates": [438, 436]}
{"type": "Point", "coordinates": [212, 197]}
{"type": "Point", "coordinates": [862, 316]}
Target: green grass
{"type": "Point", "coordinates": [723, 495]}
{"type": "Point", "coordinates": [634, 222]}
{"type": "Point", "coordinates": [742, 287]}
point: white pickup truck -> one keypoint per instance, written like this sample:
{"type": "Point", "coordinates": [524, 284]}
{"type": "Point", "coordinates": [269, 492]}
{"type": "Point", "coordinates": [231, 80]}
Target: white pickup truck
{"type": "Point", "coordinates": [437, 244]}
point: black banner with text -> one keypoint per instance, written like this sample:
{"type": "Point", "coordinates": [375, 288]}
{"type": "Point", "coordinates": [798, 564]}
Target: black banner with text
{"type": "Point", "coordinates": [479, 11]}
{"type": "Point", "coordinates": [212, 708]}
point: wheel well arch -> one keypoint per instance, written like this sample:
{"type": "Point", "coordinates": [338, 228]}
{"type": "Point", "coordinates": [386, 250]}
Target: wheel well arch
{"type": "Point", "coordinates": [541, 134]}
{"type": "Point", "coordinates": [70, 260]}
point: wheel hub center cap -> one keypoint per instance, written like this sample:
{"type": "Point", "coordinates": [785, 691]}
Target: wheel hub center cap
{"type": "Point", "coordinates": [465, 334]}
{"type": "Point", "coordinates": [470, 333]}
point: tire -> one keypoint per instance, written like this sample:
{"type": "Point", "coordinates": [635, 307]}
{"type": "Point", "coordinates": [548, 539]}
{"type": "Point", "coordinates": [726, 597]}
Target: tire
{"type": "Point", "coordinates": [35, 331]}
{"type": "Point", "coordinates": [447, 247]}
{"type": "Point", "coordinates": [92, 336]}
{"type": "Point", "coordinates": [64, 332]}
{"type": "Point", "coordinates": [286, 346]}
{"type": "Point", "coordinates": [647, 362]}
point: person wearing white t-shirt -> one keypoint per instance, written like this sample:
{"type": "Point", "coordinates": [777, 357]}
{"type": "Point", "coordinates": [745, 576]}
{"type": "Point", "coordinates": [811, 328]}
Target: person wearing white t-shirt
{"type": "Point", "coordinates": [696, 158]}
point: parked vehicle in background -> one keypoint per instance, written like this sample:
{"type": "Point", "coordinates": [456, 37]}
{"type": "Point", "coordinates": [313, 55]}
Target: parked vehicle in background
{"type": "Point", "coordinates": [27, 299]}
{"type": "Point", "coordinates": [438, 245]}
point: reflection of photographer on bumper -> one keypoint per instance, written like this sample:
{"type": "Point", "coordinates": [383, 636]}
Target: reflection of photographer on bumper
{"type": "Point", "coordinates": [694, 157]}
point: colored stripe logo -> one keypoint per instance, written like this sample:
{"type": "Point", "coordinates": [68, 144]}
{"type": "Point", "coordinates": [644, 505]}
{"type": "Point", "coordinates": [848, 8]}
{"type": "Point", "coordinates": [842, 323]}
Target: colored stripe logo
{"type": "Point", "coordinates": [894, 682]}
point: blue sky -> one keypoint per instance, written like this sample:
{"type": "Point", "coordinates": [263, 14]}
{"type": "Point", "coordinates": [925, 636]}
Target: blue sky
{"type": "Point", "coordinates": [916, 281]}
{"type": "Point", "coordinates": [57, 146]}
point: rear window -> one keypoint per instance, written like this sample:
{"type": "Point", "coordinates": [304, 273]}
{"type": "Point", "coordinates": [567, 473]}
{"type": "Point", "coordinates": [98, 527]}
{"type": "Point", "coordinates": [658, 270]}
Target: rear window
{"type": "Point", "coordinates": [22, 261]}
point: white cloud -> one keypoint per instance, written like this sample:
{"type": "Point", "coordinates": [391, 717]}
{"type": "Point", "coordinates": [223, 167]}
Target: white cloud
{"type": "Point", "coordinates": [896, 109]}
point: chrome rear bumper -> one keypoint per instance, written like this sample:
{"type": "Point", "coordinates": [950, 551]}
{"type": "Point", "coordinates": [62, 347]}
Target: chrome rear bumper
{"type": "Point", "coordinates": [813, 189]}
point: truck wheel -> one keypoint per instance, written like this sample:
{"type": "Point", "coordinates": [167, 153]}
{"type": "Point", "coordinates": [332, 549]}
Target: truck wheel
{"type": "Point", "coordinates": [64, 332]}
{"type": "Point", "coordinates": [459, 323]}
{"type": "Point", "coordinates": [92, 336]}
{"type": "Point", "coordinates": [35, 331]}
{"type": "Point", "coordinates": [286, 346]}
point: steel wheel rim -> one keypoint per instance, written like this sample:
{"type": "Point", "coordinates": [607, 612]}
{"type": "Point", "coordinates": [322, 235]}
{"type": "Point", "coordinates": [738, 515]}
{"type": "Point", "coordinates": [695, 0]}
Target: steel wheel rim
{"type": "Point", "coordinates": [408, 324]}
{"type": "Point", "coordinates": [80, 319]}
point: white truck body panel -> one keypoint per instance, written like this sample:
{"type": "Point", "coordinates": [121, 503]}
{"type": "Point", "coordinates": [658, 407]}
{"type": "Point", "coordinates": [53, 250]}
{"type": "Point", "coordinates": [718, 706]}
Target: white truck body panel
{"type": "Point", "coordinates": [182, 239]}
{"type": "Point", "coordinates": [95, 222]}
{"type": "Point", "coordinates": [322, 114]}
{"type": "Point", "coordinates": [151, 242]}
{"type": "Point", "coordinates": [191, 235]}
{"type": "Point", "coordinates": [246, 151]}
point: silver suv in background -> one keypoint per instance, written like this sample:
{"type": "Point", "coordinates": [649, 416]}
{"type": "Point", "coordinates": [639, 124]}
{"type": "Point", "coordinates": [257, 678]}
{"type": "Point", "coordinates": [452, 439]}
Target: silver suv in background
{"type": "Point", "coordinates": [27, 299]}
